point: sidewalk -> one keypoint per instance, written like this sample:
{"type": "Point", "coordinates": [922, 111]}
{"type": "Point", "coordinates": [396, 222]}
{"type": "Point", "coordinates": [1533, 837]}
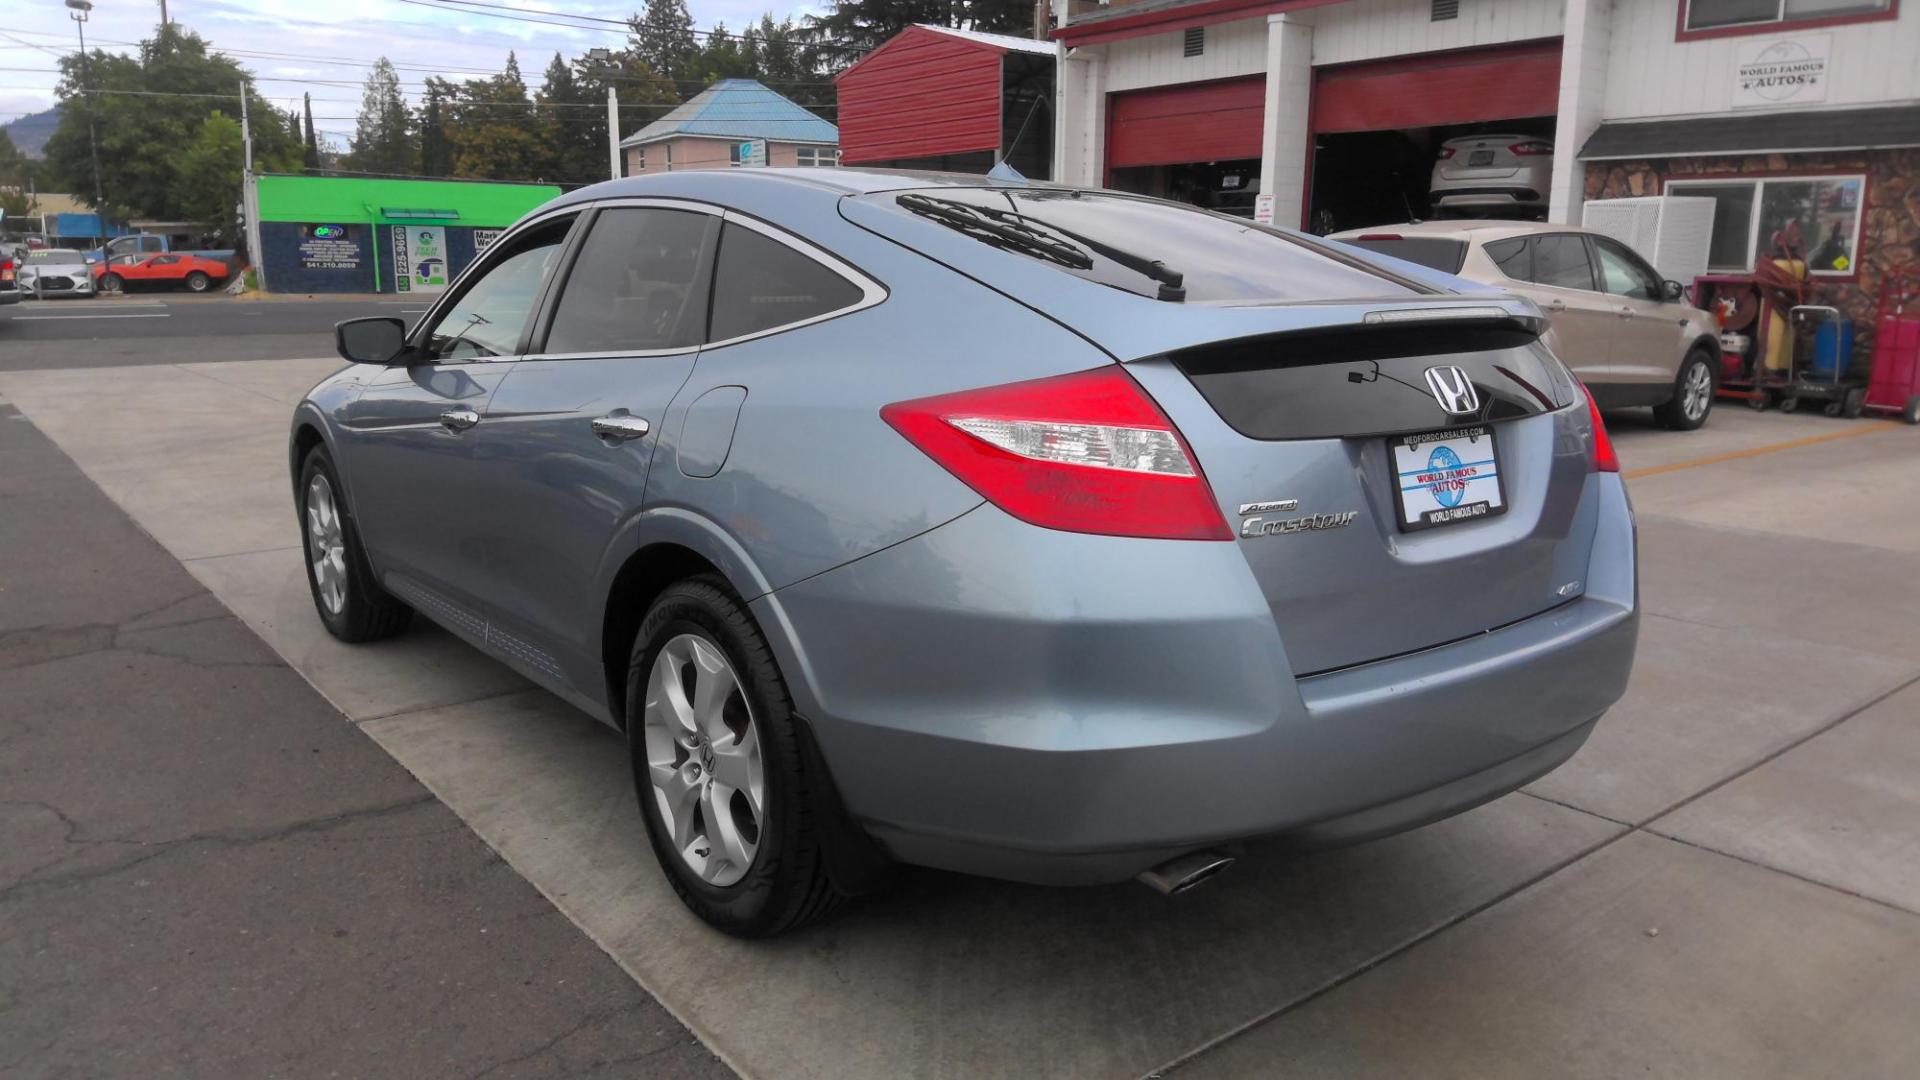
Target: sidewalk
{"type": "Point", "coordinates": [206, 871]}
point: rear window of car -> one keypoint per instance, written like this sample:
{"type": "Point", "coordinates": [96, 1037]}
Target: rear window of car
{"type": "Point", "coordinates": [1148, 247]}
{"type": "Point", "coordinates": [1438, 253]}
{"type": "Point", "coordinates": [761, 283]}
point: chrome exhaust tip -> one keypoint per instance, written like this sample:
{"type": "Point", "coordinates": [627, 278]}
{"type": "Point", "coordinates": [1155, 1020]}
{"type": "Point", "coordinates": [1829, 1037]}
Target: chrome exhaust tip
{"type": "Point", "coordinates": [1177, 875]}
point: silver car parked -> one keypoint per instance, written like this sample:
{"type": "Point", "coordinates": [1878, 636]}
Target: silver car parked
{"type": "Point", "coordinates": [1049, 534]}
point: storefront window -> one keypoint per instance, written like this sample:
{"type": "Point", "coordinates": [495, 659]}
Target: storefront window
{"type": "Point", "coordinates": [1818, 216]}
{"type": "Point", "coordinates": [1712, 14]}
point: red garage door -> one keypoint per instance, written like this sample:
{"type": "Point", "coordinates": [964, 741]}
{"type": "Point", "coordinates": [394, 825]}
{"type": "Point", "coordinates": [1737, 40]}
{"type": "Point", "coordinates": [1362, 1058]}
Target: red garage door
{"type": "Point", "coordinates": [1214, 121]}
{"type": "Point", "coordinates": [1450, 88]}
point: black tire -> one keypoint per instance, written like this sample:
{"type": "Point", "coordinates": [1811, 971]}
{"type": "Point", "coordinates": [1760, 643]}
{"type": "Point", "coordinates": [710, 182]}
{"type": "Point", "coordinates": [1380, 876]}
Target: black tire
{"type": "Point", "coordinates": [368, 612]}
{"type": "Point", "coordinates": [1789, 403]}
{"type": "Point", "coordinates": [787, 883]}
{"type": "Point", "coordinates": [1855, 403]}
{"type": "Point", "coordinates": [1912, 412]}
{"type": "Point", "coordinates": [198, 282]}
{"type": "Point", "coordinates": [112, 283]}
{"type": "Point", "coordinates": [1758, 401]}
{"type": "Point", "coordinates": [1696, 370]}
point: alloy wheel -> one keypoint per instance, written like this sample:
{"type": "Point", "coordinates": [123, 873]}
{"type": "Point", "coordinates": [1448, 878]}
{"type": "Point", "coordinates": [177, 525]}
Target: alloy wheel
{"type": "Point", "coordinates": [326, 545]}
{"type": "Point", "coordinates": [703, 759]}
{"type": "Point", "coordinates": [1698, 392]}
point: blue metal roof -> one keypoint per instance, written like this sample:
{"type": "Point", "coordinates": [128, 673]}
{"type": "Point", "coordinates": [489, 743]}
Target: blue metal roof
{"type": "Point", "coordinates": [739, 109]}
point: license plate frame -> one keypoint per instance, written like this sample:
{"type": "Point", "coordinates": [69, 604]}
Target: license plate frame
{"type": "Point", "coordinates": [1420, 470]}
{"type": "Point", "coordinates": [1479, 158]}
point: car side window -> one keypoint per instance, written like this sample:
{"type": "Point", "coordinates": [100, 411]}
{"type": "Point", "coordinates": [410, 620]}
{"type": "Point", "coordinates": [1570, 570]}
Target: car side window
{"type": "Point", "coordinates": [165, 260]}
{"type": "Point", "coordinates": [1623, 274]}
{"type": "Point", "coordinates": [638, 284]}
{"type": "Point", "coordinates": [1560, 260]}
{"type": "Point", "coordinates": [491, 312]}
{"type": "Point", "coordinates": [760, 283]}
{"type": "Point", "coordinates": [1511, 256]}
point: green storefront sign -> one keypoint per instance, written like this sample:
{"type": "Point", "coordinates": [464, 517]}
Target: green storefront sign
{"type": "Point", "coordinates": [356, 234]}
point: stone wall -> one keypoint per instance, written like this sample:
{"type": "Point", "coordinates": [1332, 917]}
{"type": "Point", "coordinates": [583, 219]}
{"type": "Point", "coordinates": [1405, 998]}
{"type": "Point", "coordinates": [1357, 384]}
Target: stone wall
{"type": "Point", "coordinates": [1890, 235]}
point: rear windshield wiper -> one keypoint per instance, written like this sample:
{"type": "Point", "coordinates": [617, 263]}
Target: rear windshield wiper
{"type": "Point", "coordinates": [1012, 236]}
{"type": "Point", "coordinates": [976, 220]}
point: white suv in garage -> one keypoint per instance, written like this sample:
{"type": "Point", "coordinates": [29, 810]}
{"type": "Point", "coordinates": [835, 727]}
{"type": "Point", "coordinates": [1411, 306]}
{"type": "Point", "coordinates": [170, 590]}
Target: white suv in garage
{"type": "Point", "coordinates": [1629, 335]}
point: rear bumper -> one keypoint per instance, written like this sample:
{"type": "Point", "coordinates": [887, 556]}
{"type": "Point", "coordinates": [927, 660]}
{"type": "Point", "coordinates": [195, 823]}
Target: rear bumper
{"type": "Point", "coordinates": [1033, 705]}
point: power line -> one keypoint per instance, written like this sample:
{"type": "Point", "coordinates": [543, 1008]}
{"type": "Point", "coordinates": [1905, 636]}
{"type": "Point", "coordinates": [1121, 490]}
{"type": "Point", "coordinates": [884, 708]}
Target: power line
{"type": "Point", "coordinates": [498, 11]}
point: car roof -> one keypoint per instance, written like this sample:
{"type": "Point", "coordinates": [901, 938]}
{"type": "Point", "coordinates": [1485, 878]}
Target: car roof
{"type": "Point", "coordinates": [1472, 231]}
{"type": "Point", "coordinates": [831, 180]}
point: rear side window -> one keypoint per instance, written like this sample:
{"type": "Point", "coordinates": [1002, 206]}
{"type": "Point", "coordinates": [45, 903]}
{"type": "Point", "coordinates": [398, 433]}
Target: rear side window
{"type": "Point", "coordinates": [761, 283]}
{"type": "Point", "coordinates": [1511, 257]}
{"type": "Point", "coordinates": [1433, 252]}
{"type": "Point", "coordinates": [637, 285]}
{"type": "Point", "coordinates": [1166, 251]}
{"type": "Point", "coordinates": [1561, 261]}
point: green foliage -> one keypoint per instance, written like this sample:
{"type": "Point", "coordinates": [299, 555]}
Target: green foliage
{"type": "Point", "coordinates": [210, 173]}
{"type": "Point", "coordinates": [869, 23]}
{"type": "Point", "coordinates": [16, 175]}
{"type": "Point", "coordinates": [166, 92]}
{"type": "Point", "coordinates": [383, 133]}
{"type": "Point", "coordinates": [662, 38]}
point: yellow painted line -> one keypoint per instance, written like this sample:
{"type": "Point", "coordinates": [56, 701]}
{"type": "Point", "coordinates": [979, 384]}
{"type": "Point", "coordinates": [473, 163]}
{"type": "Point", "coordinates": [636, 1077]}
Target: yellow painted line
{"type": "Point", "coordinates": [1871, 427]}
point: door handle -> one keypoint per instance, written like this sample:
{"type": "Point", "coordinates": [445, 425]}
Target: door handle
{"type": "Point", "coordinates": [621, 427]}
{"type": "Point", "coordinates": [1626, 313]}
{"type": "Point", "coordinates": [1556, 305]}
{"type": "Point", "coordinates": [459, 419]}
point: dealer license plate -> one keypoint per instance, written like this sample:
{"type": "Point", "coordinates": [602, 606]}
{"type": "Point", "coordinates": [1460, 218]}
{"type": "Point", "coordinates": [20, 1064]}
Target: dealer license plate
{"type": "Point", "coordinates": [1447, 477]}
{"type": "Point", "coordinates": [1479, 157]}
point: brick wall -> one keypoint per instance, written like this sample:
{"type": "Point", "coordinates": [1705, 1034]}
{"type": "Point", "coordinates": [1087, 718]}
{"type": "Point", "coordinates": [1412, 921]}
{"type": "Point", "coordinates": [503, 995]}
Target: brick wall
{"type": "Point", "coordinates": [1890, 231]}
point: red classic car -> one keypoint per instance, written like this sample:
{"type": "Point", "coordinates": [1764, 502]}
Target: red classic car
{"type": "Point", "coordinates": [196, 273]}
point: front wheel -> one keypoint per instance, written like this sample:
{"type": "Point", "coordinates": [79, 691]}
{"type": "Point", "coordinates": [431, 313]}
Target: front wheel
{"type": "Point", "coordinates": [1692, 394]}
{"type": "Point", "coordinates": [1912, 412]}
{"type": "Point", "coordinates": [198, 282]}
{"type": "Point", "coordinates": [351, 603]}
{"type": "Point", "coordinates": [732, 810]}
{"type": "Point", "coordinates": [112, 283]}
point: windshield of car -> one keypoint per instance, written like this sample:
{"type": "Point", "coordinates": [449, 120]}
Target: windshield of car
{"type": "Point", "coordinates": [1162, 250]}
{"type": "Point", "coordinates": [1439, 253]}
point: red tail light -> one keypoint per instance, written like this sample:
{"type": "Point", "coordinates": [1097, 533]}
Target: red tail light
{"type": "Point", "coordinates": [1531, 148]}
{"type": "Point", "coordinates": [1446, 152]}
{"type": "Point", "coordinates": [1604, 459]}
{"type": "Point", "coordinates": [1088, 452]}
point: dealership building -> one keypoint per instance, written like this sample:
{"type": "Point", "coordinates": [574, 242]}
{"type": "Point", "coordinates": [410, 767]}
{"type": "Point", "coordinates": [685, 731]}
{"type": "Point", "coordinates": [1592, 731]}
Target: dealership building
{"type": "Point", "coordinates": [1328, 114]}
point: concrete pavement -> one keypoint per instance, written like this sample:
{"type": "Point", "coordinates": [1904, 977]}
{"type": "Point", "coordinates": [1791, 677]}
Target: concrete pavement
{"type": "Point", "coordinates": [1753, 794]}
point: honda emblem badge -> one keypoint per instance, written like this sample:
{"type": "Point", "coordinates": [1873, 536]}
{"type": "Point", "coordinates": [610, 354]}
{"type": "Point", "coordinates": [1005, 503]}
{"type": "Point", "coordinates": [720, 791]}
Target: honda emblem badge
{"type": "Point", "coordinates": [1453, 390]}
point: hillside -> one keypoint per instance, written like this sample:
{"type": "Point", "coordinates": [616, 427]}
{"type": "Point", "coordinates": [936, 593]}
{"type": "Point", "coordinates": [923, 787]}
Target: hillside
{"type": "Point", "coordinates": [30, 133]}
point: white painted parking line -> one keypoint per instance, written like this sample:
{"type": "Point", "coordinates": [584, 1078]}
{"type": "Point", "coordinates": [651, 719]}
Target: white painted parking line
{"type": "Point", "coordinates": [57, 318]}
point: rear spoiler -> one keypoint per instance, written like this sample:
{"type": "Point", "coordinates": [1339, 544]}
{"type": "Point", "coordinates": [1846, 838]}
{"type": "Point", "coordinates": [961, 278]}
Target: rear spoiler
{"type": "Point", "coordinates": [1439, 317]}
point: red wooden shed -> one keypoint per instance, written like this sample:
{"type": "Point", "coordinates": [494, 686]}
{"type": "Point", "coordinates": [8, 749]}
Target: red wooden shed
{"type": "Point", "coordinates": [935, 97]}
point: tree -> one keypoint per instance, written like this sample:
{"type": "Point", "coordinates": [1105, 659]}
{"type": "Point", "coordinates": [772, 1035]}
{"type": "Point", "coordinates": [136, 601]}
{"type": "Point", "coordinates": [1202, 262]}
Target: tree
{"type": "Point", "coordinates": [436, 150]}
{"type": "Point", "coordinates": [855, 26]}
{"type": "Point", "coordinates": [663, 39]}
{"type": "Point", "coordinates": [16, 174]}
{"type": "Point", "coordinates": [145, 108]}
{"type": "Point", "coordinates": [492, 131]}
{"type": "Point", "coordinates": [312, 141]}
{"type": "Point", "coordinates": [382, 133]}
{"type": "Point", "coordinates": [210, 173]}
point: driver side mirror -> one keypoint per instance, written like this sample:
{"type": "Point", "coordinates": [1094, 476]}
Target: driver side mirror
{"type": "Point", "coordinates": [377, 339]}
{"type": "Point", "coordinates": [1672, 291]}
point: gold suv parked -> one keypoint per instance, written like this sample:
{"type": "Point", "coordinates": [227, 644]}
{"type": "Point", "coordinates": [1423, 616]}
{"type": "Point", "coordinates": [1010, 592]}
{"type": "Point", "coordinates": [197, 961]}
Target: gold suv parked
{"type": "Point", "coordinates": [1629, 335]}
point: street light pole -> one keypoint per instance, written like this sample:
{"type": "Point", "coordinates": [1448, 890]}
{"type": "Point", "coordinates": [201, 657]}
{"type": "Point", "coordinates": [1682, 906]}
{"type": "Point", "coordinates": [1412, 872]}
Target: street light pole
{"type": "Point", "coordinates": [78, 10]}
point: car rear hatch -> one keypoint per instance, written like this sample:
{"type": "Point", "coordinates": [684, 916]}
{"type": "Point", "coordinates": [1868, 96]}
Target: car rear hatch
{"type": "Point", "coordinates": [1290, 403]}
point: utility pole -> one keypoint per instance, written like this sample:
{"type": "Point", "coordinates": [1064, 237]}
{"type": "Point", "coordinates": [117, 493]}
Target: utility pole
{"type": "Point", "coordinates": [613, 131]}
{"type": "Point", "coordinates": [249, 194]}
{"type": "Point", "coordinates": [77, 11]}
{"type": "Point", "coordinates": [163, 12]}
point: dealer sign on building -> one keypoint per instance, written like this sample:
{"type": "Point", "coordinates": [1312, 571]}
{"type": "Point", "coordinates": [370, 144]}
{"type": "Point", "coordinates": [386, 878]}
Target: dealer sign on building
{"type": "Point", "coordinates": [1782, 71]}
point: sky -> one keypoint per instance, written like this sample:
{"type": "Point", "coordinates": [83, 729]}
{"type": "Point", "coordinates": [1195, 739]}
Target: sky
{"type": "Point", "coordinates": [419, 36]}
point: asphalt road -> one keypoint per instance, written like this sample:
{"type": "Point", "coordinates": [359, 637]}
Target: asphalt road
{"type": "Point", "coordinates": [173, 328]}
{"type": "Point", "coordinates": [205, 870]}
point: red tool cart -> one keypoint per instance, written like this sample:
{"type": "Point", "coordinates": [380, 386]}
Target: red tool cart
{"type": "Point", "coordinates": [1895, 384]}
